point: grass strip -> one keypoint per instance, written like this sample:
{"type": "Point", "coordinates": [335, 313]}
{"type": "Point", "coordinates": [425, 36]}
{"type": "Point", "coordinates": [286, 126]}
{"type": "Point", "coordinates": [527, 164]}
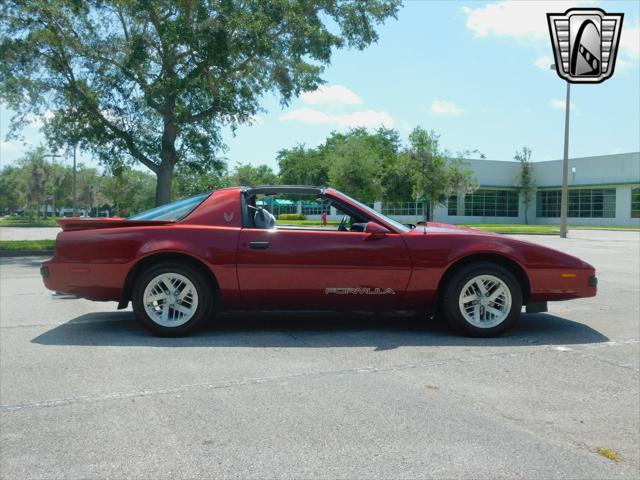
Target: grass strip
{"type": "Point", "coordinates": [14, 245]}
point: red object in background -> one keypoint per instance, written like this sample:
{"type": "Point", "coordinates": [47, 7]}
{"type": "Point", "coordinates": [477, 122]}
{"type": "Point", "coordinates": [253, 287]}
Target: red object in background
{"type": "Point", "coordinates": [288, 268]}
{"type": "Point", "coordinates": [324, 218]}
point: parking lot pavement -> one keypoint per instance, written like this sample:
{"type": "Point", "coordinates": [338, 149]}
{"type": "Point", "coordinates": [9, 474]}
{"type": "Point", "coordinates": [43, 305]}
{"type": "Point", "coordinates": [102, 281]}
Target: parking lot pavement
{"type": "Point", "coordinates": [28, 233]}
{"type": "Point", "coordinates": [87, 393]}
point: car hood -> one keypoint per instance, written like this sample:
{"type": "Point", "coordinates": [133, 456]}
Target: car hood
{"type": "Point", "coordinates": [530, 251]}
{"type": "Point", "coordinates": [435, 227]}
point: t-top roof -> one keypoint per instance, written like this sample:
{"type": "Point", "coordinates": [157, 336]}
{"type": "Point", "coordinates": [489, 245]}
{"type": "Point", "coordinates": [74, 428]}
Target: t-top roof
{"type": "Point", "coordinates": [289, 189]}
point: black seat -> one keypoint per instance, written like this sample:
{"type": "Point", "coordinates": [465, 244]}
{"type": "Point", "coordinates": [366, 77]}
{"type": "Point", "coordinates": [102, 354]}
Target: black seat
{"type": "Point", "coordinates": [263, 219]}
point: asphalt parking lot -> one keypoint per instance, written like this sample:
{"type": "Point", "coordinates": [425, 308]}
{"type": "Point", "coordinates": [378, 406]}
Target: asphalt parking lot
{"type": "Point", "coordinates": [87, 393]}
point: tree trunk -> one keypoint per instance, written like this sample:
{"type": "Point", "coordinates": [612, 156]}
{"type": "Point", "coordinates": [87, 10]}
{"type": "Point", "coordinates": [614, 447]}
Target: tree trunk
{"type": "Point", "coordinates": [168, 155]}
{"type": "Point", "coordinates": [163, 185]}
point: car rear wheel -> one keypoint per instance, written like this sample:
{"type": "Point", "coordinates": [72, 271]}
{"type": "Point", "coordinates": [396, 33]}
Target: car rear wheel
{"type": "Point", "coordinates": [171, 299]}
{"type": "Point", "coordinates": [482, 300]}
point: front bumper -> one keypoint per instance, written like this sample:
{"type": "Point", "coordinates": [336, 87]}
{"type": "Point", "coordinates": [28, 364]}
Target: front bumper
{"type": "Point", "coordinates": [553, 284]}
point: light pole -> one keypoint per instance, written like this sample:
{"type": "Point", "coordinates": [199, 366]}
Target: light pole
{"type": "Point", "coordinates": [53, 189]}
{"type": "Point", "coordinates": [75, 197]}
{"type": "Point", "coordinates": [565, 164]}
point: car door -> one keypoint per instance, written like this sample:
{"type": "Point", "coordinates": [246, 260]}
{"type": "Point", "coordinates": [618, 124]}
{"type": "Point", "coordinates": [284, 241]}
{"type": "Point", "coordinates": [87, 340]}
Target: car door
{"type": "Point", "coordinates": [321, 269]}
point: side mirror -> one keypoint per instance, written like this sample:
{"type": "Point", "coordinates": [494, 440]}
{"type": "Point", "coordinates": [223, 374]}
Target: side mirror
{"type": "Point", "coordinates": [375, 230]}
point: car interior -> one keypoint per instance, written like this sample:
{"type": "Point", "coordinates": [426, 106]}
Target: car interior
{"type": "Point", "coordinates": [261, 211]}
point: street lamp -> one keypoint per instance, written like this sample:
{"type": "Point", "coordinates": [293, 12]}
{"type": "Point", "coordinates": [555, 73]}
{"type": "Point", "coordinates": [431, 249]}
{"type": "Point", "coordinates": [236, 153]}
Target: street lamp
{"type": "Point", "coordinates": [565, 164]}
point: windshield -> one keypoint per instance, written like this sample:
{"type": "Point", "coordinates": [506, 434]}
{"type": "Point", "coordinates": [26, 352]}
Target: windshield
{"type": "Point", "coordinates": [398, 225]}
{"type": "Point", "coordinates": [172, 211]}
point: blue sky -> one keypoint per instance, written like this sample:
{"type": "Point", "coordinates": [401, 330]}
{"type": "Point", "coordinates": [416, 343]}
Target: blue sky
{"type": "Point", "coordinates": [475, 72]}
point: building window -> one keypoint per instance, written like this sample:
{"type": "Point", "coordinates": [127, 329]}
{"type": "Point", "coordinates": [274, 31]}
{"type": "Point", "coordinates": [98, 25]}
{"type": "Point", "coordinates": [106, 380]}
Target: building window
{"type": "Point", "coordinates": [452, 206]}
{"type": "Point", "coordinates": [583, 203]}
{"type": "Point", "coordinates": [548, 203]}
{"type": "Point", "coordinates": [311, 208]}
{"type": "Point", "coordinates": [592, 203]}
{"type": "Point", "coordinates": [413, 209]}
{"type": "Point", "coordinates": [491, 203]}
{"type": "Point", "coordinates": [635, 202]}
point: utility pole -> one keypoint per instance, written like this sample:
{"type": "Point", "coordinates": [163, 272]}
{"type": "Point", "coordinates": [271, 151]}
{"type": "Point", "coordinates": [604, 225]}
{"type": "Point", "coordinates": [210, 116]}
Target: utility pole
{"type": "Point", "coordinates": [75, 198]}
{"type": "Point", "coordinates": [53, 189]}
{"type": "Point", "coordinates": [565, 167]}
{"type": "Point", "coordinates": [565, 164]}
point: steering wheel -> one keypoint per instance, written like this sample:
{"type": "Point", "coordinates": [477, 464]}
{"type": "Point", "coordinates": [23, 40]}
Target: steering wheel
{"type": "Point", "coordinates": [343, 224]}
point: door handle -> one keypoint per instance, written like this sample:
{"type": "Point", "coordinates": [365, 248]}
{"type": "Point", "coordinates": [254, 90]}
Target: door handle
{"type": "Point", "coordinates": [259, 245]}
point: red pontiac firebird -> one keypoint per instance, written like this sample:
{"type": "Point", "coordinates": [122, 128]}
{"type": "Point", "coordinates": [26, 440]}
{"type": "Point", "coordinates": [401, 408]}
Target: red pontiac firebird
{"type": "Point", "coordinates": [180, 262]}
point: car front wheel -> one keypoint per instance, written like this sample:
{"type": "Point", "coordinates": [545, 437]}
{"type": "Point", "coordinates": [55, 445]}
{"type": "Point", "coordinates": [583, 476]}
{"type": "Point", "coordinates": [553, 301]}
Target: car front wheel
{"type": "Point", "coordinates": [171, 299]}
{"type": "Point", "coordinates": [482, 300]}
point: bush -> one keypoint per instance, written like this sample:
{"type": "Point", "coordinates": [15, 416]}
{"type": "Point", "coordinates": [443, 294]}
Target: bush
{"type": "Point", "coordinates": [291, 216]}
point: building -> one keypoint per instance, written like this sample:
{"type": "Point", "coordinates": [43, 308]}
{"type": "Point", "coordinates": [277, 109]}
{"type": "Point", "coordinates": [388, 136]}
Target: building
{"type": "Point", "coordinates": [603, 190]}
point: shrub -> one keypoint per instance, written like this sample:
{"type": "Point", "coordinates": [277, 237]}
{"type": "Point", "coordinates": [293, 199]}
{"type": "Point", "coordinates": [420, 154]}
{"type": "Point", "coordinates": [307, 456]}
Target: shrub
{"type": "Point", "coordinates": [291, 216]}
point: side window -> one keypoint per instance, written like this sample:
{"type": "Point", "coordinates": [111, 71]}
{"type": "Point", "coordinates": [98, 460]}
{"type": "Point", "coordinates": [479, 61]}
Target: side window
{"type": "Point", "coordinates": [349, 222]}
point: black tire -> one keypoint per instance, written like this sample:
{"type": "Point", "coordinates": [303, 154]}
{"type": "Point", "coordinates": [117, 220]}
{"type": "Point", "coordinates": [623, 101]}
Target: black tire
{"type": "Point", "coordinates": [450, 308]}
{"type": "Point", "coordinates": [202, 286]}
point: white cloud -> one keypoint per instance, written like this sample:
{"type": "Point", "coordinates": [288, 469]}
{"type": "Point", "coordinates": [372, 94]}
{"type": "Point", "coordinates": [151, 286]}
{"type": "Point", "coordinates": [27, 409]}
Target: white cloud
{"type": "Point", "coordinates": [444, 107]}
{"type": "Point", "coordinates": [365, 118]}
{"type": "Point", "coordinates": [526, 22]}
{"type": "Point", "coordinates": [330, 94]}
{"type": "Point", "coordinates": [522, 20]}
{"type": "Point", "coordinates": [630, 41]}
{"type": "Point", "coordinates": [543, 62]}
{"type": "Point", "coordinates": [9, 146]}
{"type": "Point", "coordinates": [560, 104]}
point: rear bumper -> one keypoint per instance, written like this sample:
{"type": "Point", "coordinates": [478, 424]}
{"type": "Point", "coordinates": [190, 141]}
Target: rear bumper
{"type": "Point", "coordinates": [103, 282]}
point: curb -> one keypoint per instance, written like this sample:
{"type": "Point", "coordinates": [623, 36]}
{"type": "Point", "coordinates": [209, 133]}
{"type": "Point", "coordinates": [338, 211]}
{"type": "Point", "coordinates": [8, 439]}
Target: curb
{"type": "Point", "coordinates": [25, 253]}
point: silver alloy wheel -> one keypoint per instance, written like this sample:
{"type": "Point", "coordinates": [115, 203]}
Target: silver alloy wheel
{"type": "Point", "coordinates": [485, 301]}
{"type": "Point", "coordinates": [170, 299]}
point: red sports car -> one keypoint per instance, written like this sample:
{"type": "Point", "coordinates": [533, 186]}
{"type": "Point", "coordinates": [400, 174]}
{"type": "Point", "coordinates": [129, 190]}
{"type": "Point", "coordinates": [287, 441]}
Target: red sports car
{"type": "Point", "coordinates": [180, 262]}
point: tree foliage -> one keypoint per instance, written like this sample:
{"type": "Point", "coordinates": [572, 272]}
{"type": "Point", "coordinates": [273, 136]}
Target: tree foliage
{"type": "Point", "coordinates": [250, 176]}
{"type": "Point", "coordinates": [302, 166]}
{"type": "Point", "coordinates": [526, 179]}
{"type": "Point", "coordinates": [155, 81]}
{"type": "Point", "coordinates": [436, 174]}
{"type": "Point", "coordinates": [367, 165]}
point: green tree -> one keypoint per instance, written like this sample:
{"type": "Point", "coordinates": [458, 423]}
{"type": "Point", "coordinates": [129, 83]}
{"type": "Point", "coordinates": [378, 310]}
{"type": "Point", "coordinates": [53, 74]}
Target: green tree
{"type": "Point", "coordinates": [142, 197]}
{"type": "Point", "coordinates": [118, 188]}
{"type": "Point", "coordinates": [191, 180]}
{"type": "Point", "coordinates": [155, 81]}
{"type": "Point", "coordinates": [526, 179]}
{"type": "Point", "coordinates": [12, 189]}
{"type": "Point", "coordinates": [428, 169]}
{"type": "Point", "coordinates": [436, 174]}
{"type": "Point", "coordinates": [462, 180]}
{"type": "Point", "coordinates": [355, 168]}
{"type": "Point", "coordinates": [90, 187]}
{"type": "Point", "coordinates": [36, 173]}
{"type": "Point", "coordinates": [250, 176]}
{"type": "Point", "coordinates": [302, 166]}
{"type": "Point", "coordinates": [360, 161]}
